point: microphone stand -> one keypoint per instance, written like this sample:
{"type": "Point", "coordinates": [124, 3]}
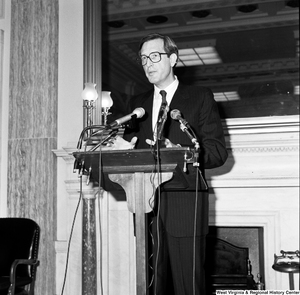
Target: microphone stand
{"type": "Point", "coordinates": [161, 123]}
{"type": "Point", "coordinates": [193, 138]}
{"type": "Point", "coordinates": [196, 155]}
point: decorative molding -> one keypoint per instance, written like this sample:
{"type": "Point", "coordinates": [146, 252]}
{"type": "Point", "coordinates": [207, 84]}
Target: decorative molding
{"type": "Point", "coordinates": [248, 181]}
{"type": "Point", "coordinates": [224, 17]}
{"type": "Point", "coordinates": [249, 67]}
{"type": "Point", "coordinates": [263, 125]}
{"type": "Point", "coordinates": [128, 8]}
{"type": "Point", "coordinates": [263, 134]}
{"type": "Point", "coordinates": [65, 154]}
{"type": "Point", "coordinates": [265, 149]}
{"type": "Point", "coordinates": [208, 28]}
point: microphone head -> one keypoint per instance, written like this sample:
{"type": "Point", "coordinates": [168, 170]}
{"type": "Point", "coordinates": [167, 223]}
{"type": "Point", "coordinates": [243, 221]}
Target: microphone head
{"type": "Point", "coordinates": [175, 114]}
{"type": "Point", "coordinates": [139, 112]}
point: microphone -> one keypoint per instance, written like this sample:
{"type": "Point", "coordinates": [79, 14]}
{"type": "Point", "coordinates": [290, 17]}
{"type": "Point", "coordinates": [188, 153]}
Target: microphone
{"type": "Point", "coordinates": [138, 113]}
{"type": "Point", "coordinates": [184, 125]}
{"type": "Point", "coordinates": [162, 117]}
{"type": "Point", "coordinates": [176, 115]}
{"type": "Point", "coordinates": [162, 114]}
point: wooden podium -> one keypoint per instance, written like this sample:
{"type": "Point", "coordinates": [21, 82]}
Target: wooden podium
{"type": "Point", "coordinates": [136, 172]}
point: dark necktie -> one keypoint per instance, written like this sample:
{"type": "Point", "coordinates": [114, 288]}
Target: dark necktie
{"type": "Point", "coordinates": [162, 114]}
{"type": "Point", "coordinates": [163, 97]}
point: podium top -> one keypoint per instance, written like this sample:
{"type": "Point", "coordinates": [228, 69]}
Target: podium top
{"type": "Point", "coordinates": [122, 161]}
{"type": "Point", "coordinates": [138, 160]}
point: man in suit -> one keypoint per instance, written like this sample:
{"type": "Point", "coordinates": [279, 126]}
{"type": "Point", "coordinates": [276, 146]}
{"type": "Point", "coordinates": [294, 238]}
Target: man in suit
{"type": "Point", "coordinates": [183, 215]}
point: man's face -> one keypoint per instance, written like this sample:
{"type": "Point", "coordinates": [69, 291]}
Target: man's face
{"type": "Point", "coordinates": [160, 73]}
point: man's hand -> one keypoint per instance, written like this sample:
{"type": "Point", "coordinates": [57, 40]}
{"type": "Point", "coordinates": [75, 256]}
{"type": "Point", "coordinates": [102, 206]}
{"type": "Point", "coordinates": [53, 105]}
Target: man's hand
{"type": "Point", "coordinates": [165, 141]}
{"type": "Point", "coordinates": [118, 143]}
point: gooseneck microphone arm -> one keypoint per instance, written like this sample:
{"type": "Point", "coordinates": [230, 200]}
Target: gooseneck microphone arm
{"type": "Point", "coordinates": [185, 127]}
{"type": "Point", "coordinates": [138, 113]}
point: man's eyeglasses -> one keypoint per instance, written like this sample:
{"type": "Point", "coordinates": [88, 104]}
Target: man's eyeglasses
{"type": "Point", "coordinates": [153, 56]}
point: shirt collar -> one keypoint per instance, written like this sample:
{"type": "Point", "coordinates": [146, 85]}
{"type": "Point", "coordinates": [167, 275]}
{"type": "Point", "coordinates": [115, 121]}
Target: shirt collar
{"type": "Point", "coordinates": [169, 89]}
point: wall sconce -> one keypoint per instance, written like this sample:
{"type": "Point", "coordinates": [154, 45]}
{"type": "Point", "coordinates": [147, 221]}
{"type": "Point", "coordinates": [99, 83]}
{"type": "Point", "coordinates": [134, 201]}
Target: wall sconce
{"type": "Point", "coordinates": [106, 103]}
{"type": "Point", "coordinates": [89, 95]}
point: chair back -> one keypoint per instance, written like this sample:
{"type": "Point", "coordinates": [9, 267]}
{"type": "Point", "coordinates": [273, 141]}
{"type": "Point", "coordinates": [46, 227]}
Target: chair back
{"type": "Point", "coordinates": [227, 266]}
{"type": "Point", "coordinates": [19, 240]}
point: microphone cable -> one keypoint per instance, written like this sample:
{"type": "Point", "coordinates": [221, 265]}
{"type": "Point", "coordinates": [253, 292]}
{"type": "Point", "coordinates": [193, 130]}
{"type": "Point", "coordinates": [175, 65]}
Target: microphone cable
{"type": "Point", "coordinates": [151, 203]}
{"type": "Point", "coordinates": [109, 136]}
{"type": "Point", "coordinates": [100, 243]}
{"type": "Point", "coordinates": [80, 198]}
{"type": "Point", "coordinates": [99, 213]}
{"type": "Point", "coordinates": [157, 172]}
{"type": "Point", "coordinates": [99, 127]}
{"type": "Point", "coordinates": [198, 174]}
{"type": "Point", "coordinates": [158, 196]}
{"type": "Point", "coordinates": [194, 234]}
{"type": "Point", "coordinates": [71, 234]}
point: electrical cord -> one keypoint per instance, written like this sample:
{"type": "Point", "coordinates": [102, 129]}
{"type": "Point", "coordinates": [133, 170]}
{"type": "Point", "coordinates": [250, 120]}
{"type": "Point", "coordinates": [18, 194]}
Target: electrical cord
{"type": "Point", "coordinates": [158, 164]}
{"type": "Point", "coordinates": [76, 212]}
{"type": "Point", "coordinates": [194, 235]}
{"type": "Point", "coordinates": [70, 238]}
{"type": "Point", "coordinates": [99, 209]}
{"type": "Point", "coordinates": [79, 145]}
{"type": "Point", "coordinates": [155, 152]}
{"type": "Point", "coordinates": [99, 127]}
{"type": "Point", "coordinates": [100, 246]}
{"type": "Point", "coordinates": [151, 203]}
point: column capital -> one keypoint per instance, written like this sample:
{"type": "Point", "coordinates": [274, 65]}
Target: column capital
{"type": "Point", "coordinates": [89, 188]}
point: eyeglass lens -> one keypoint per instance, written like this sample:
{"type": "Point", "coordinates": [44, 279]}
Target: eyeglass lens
{"type": "Point", "coordinates": [153, 56]}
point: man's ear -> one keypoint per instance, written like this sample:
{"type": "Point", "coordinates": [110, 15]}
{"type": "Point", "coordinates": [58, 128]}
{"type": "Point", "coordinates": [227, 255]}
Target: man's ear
{"type": "Point", "coordinates": [173, 59]}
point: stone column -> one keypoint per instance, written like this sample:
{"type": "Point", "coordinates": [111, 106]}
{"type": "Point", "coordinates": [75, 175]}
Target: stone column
{"type": "Point", "coordinates": [89, 247]}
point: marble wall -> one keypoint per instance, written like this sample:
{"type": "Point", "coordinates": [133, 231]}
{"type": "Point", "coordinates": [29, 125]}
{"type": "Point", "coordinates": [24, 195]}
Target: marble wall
{"type": "Point", "coordinates": [31, 126]}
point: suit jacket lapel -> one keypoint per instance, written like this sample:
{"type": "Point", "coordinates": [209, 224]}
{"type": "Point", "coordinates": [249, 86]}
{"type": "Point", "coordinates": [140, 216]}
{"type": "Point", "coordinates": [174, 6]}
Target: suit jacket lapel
{"type": "Point", "coordinates": [180, 102]}
{"type": "Point", "coordinates": [180, 99]}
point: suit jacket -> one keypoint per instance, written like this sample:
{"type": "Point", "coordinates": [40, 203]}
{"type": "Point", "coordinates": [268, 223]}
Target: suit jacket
{"type": "Point", "coordinates": [199, 108]}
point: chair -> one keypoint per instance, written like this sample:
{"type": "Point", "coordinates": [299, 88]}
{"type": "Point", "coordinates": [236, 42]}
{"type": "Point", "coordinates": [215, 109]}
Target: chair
{"type": "Point", "coordinates": [227, 267]}
{"type": "Point", "coordinates": [19, 244]}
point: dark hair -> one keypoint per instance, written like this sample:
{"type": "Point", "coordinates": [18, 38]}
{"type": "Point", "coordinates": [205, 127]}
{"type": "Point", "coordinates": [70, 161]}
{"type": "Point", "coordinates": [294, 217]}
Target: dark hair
{"type": "Point", "coordinates": [169, 45]}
